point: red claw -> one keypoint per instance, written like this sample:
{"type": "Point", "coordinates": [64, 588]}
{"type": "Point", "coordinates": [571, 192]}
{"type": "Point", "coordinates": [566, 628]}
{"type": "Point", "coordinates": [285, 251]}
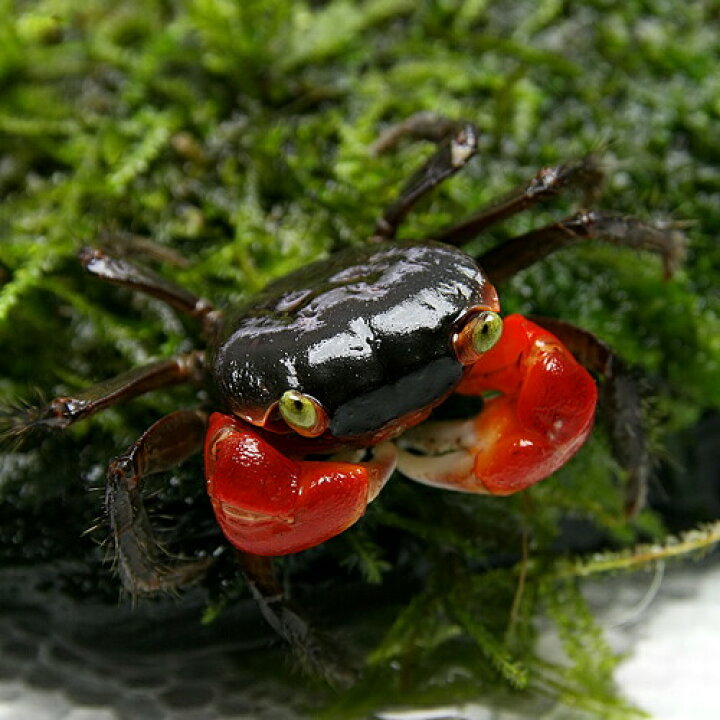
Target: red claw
{"type": "Point", "coordinates": [542, 417]}
{"type": "Point", "coordinates": [269, 504]}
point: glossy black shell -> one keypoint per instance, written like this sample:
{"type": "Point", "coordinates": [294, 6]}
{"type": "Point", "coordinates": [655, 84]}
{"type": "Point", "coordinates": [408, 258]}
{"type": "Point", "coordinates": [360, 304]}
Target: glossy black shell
{"type": "Point", "coordinates": [367, 332]}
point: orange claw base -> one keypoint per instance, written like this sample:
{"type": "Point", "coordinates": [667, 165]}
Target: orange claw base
{"type": "Point", "coordinates": [269, 504]}
{"type": "Point", "coordinates": [545, 412]}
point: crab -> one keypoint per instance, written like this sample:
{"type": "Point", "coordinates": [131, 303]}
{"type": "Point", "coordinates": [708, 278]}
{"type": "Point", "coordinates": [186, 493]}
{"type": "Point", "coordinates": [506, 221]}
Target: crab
{"type": "Point", "coordinates": [326, 380]}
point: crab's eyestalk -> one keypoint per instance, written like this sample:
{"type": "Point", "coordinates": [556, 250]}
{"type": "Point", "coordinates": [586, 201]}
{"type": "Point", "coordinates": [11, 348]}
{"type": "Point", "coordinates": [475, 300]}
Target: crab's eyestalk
{"type": "Point", "coordinates": [478, 335]}
{"type": "Point", "coordinates": [486, 331]}
{"type": "Point", "coordinates": [303, 413]}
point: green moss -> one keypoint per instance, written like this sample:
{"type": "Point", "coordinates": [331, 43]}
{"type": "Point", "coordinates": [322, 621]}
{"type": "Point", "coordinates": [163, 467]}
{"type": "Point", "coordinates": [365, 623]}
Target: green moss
{"type": "Point", "coordinates": [237, 134]}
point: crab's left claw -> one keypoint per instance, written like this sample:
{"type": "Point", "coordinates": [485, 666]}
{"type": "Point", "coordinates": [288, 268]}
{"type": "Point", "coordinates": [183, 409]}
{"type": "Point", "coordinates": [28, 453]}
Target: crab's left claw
{"type": "Point", "coordinates": [270, 504]}
{"type": "Point", "coordinates": [542, 416]}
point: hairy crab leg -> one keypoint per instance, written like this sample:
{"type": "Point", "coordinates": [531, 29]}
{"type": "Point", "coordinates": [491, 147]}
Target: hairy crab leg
{"type": "Point", "coordinates": [621, 402]}
{"type": "Point", "coordinates": [585, 174]}
{"type": "Point", "coordinates": [457, 143]}
{"type": "Point", "coordinates": [63, 411]}
{"type": "Point", "coordinates": [542, 416]}
{"type": "Point", "coordinates": [124, 243]}
{"type": "Point", "coordinates": [121, 272]}
{"type": "Point", "coordinates": [270, 504]}
{"type": "Point", "coordinates": [316, 652]}
{"type": "Point", "coordinates": [520, 252]}
{"type": "Point", "coordinates": [144, 567]}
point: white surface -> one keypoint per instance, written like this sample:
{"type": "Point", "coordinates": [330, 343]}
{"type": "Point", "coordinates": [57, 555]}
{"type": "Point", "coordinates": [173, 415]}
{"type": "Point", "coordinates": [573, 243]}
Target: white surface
{"type": "Point", "coordinates": [668, 626]}
{"type": "Point", "coordinates": [674, 670]}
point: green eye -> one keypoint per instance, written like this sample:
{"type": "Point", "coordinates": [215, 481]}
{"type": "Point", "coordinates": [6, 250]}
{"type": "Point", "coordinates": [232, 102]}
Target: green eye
{"type": "Point", "coordinates": [487, 329]}
{"type": "Point", "coordinates": [301, 412]}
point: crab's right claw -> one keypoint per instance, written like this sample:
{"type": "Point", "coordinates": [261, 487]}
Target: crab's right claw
{"type": "Point", "coordinates": [542, 417]}
{"type": "Point", "coordinates": [269, 504]}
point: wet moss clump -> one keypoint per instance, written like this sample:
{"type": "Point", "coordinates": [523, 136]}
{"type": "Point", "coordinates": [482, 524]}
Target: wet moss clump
{"type": "Point", "coordinates": [231, 141]}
